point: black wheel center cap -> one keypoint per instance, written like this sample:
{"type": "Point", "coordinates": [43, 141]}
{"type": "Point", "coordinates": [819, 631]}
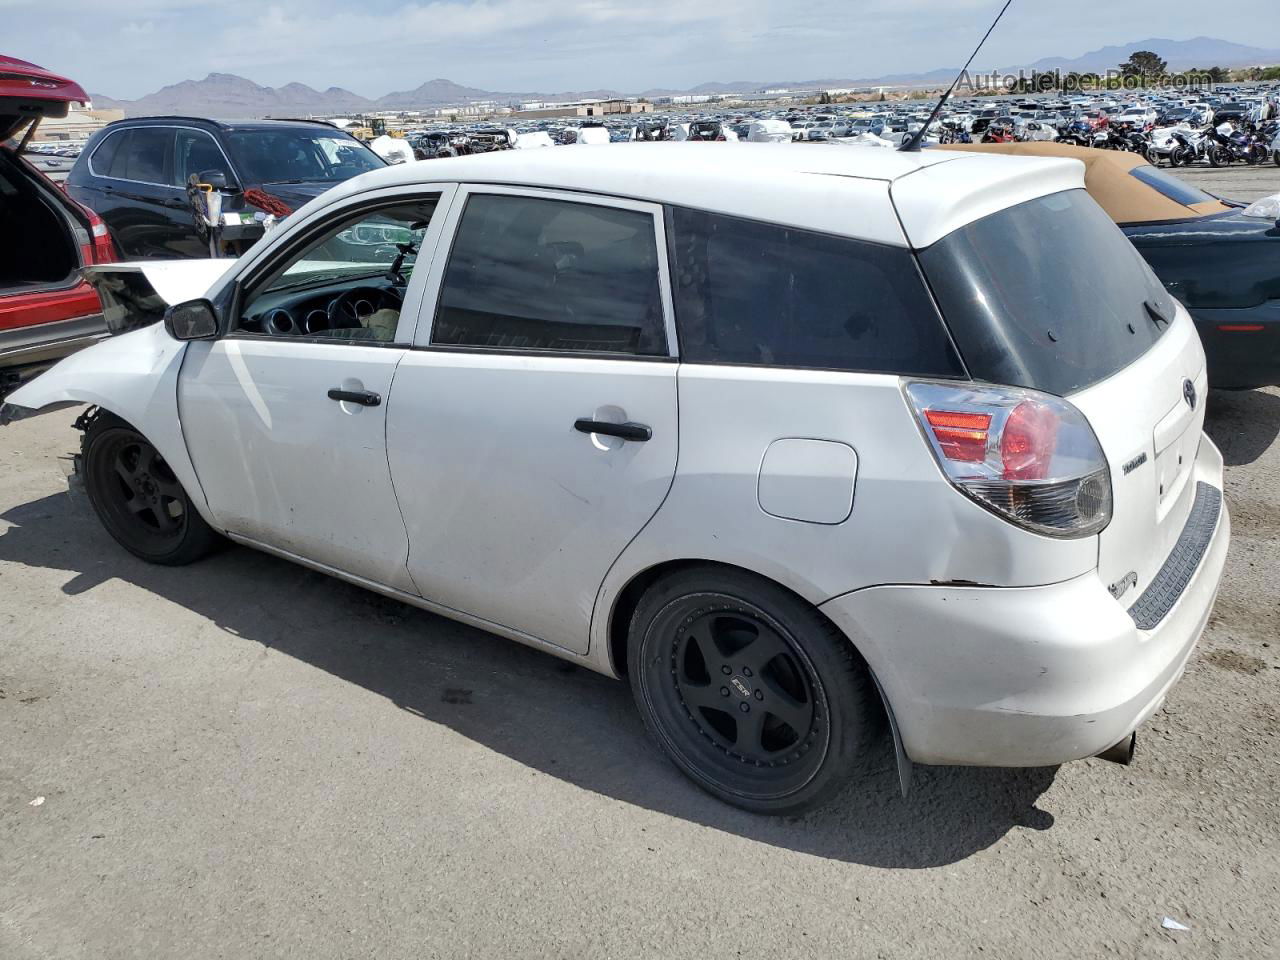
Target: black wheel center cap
{"type": "Point", "coordinates": [740, 687]}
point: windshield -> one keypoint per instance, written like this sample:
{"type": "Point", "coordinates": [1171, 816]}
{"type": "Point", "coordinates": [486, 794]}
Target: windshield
{"type": "Point", "coordinates": [299, 156]}
{"type": "Point", "coordinates": [1048, 294]}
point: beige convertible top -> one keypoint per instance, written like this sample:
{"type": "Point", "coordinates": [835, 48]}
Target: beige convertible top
{"type": "Point", "coordinates": [1125, 198]}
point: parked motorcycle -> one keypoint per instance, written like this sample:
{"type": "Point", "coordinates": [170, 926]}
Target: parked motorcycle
{"type": "Point", "coordinates": [1078, 133]}
{"type": "Point", "coordinates": [1232, 145]}
{"type": "Point", "coordinates": [1189, 148]}
{"type": "Point", "coordinates": [999, 133]}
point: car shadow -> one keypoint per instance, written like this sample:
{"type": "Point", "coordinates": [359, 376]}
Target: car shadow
{"type": "Point", "coordinates": [1243, 423]}
{"type": "Point", "coordinates": [547, 714]}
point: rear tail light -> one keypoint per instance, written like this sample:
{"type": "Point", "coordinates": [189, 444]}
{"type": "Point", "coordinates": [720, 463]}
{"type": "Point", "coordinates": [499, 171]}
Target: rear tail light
{"type": "Point", "coordinates": [104, 250]}
{"type": "Point", "coordinates": [99, 247]}
{"type": "Point", "coordinates": [1028, 457]}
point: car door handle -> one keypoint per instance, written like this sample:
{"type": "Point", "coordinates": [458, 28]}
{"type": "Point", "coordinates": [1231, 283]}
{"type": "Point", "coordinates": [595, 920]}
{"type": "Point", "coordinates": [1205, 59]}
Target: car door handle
{"type": "Point", "coordinates": [637, 432]}
{"type": "Point", "coordinates": [366, 398]}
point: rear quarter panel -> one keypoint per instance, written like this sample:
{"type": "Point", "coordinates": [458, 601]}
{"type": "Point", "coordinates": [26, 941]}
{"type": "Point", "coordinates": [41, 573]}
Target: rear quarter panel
{"type": "Point", "coordinates": [907, 525]}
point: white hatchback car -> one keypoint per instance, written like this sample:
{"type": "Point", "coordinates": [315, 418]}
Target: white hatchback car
{"type": "Point", "coordinates": [797, 439]}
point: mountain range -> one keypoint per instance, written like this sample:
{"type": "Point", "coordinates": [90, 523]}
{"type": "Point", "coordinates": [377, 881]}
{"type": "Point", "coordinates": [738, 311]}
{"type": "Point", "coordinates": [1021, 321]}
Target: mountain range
{"type": "Point", "coordinates": [227, 95]}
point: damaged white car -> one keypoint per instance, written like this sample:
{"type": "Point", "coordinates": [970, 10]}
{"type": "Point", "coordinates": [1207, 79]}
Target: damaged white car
{"type": "Point", "coordinates": [793, 443]}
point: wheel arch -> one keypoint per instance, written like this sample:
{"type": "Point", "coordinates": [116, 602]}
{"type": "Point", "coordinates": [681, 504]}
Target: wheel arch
{"type": "Point", "coordinates": [133, 377]}
{"type": "Point", "coordinates": [628, 597]}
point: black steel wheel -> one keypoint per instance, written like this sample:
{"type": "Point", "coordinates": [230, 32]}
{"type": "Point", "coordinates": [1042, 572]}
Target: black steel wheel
{"type": "Point", "coordinates": [749, 690]}
{"type": "Point", "coordinates": [137, 497]}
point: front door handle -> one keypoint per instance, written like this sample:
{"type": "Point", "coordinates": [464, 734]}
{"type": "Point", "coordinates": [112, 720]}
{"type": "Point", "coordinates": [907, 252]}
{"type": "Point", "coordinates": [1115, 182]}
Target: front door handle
{"type": "Point", "coordinates": [366, 398]}
{"type": "Point", "coordinates": [637, 432]}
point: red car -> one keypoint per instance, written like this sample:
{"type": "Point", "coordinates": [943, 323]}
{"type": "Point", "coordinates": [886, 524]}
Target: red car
{"type": "Point", "coordinates": [47, 310]}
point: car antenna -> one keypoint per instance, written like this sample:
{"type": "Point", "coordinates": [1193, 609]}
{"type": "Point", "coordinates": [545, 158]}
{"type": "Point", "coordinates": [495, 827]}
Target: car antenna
{"type": "Point", "coordinates": [913, 145]}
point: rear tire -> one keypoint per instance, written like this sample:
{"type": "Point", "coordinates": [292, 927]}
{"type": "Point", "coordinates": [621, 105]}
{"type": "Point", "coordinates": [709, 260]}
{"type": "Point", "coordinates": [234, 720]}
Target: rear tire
{"type": "Point", "coordinates": [137, 497]}
{"type": "Point", "coordinates": [749, 690]}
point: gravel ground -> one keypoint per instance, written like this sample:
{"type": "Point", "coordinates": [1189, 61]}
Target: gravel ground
{"type": "Point", "coordinates": [1237, 182]}
{"type": "Point", "coordinates": [245, 759]}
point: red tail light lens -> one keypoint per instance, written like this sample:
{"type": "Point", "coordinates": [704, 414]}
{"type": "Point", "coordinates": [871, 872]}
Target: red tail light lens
{"type": "Point", "coordinates": [1028, 457]}
{"type": "Point", "coordinates": [1029, 439]}
{"type": "Point", "coordinates": [962, 436]}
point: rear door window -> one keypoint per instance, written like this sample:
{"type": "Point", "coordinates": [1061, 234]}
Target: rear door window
{"type": "Point", "coordinates": [144, 155]}
{"type": "Point", "coordinates": [532, 273]}
{"type": "Point", "coordinates": [1048, 294]}
{"type": "Point", "coordinates": [756, 293]}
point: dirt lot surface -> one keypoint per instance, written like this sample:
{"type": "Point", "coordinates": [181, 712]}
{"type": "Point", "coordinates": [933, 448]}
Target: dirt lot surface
{"type": "Point", "coordinates": [1237, 182]}
{"type": "Point", "coordinates": [245, 759]}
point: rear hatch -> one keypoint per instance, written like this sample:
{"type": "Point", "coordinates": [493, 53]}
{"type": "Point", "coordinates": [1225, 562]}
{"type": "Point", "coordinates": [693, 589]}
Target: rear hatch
{"type": "Point", "coordinates": [1050, 295]}
{"type": "Point", "coordinates": [28, 91]}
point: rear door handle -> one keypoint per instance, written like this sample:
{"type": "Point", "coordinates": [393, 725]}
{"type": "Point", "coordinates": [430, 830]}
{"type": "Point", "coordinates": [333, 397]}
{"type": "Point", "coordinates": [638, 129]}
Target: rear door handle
{"type": "Point", "coordinates": [636, 432]}
{"type": "Point", "coordinates": [366, 398]}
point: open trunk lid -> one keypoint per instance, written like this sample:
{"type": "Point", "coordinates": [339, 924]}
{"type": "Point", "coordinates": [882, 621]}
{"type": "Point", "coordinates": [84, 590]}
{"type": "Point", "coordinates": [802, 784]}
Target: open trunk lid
{"type": "Point", "coordinates": [28, 91]}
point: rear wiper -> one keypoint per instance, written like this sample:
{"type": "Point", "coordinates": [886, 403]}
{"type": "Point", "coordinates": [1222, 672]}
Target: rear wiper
{"type": "Point", "coordinates": [1156, 314]}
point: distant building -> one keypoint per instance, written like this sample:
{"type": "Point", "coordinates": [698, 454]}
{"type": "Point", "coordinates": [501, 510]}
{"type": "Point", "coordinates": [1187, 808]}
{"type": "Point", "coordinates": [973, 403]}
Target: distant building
{"type": "Point", "coordinates": [79, 124]}
{"type": "Point", "coordinates": [584, 108]}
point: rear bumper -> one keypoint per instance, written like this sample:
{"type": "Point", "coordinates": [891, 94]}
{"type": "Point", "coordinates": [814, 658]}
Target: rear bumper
{"type": "Point", "coordinates": [1241, 359]}
{"type": "Point", "coordinates": [27, 351]}
{"type": "Point", "coordinates": [1030, 676]}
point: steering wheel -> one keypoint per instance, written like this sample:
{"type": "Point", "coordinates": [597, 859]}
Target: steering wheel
{"type": "Point", "coordinates": [348, 308]}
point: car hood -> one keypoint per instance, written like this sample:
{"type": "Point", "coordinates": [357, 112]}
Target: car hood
{"type": "Point", "coordinates": [28, 91]}
{"type": "Point", "coordinates": [296, 194]}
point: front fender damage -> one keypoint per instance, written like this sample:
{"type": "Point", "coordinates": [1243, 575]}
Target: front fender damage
{"type": "Point", "coordinates": [135, 377]}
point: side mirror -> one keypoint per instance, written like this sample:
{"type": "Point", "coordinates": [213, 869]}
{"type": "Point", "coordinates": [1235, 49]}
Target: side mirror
{"type": "Point", "coordinates": [193, 320]}
{"type": "Point", "coordinates": [216, 179]}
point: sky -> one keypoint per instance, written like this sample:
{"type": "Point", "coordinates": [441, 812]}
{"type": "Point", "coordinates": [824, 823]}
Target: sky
{"type": "Point", "coordinates": [127, 48]}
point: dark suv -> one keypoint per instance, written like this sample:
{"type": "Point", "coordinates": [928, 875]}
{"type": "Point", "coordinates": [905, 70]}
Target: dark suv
{"type": "Point", "coordinates": [134, 175]}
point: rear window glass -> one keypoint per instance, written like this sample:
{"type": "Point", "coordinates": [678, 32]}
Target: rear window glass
{"type": "Point", "coordinates": [1176, 190]}
{"type": "Point", "coordinates": [756, 293]}
{"type": "Point", "coordinates": [1049, 294]}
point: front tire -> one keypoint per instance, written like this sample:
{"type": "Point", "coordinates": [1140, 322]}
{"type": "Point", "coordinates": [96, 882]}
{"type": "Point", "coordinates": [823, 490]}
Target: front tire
{"type": "Point", "coordinates": [749, 690]}
{"type": "Point", "coordinates": [137, 497]}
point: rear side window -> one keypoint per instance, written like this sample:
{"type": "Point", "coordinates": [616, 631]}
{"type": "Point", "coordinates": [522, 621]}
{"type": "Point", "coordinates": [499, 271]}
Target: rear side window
{"type": "Point", "coordinates": [1048, 294]}
{"type": "Point", "coordinates": [106, 152]}
{"type": "Point", "coordinates": [1176, 190]}
{"type": "Point", "coordinates": [528, 273]}
{"type": "Point", "coordinates": [142, 154]}
{"type": "Point", "coordinates": [757, 293]}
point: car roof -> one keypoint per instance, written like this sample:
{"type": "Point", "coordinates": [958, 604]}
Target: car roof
{"type": "Point", "coordinates": [221, 124]}
{"type": "Point", "coordinates": [838, 189]}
